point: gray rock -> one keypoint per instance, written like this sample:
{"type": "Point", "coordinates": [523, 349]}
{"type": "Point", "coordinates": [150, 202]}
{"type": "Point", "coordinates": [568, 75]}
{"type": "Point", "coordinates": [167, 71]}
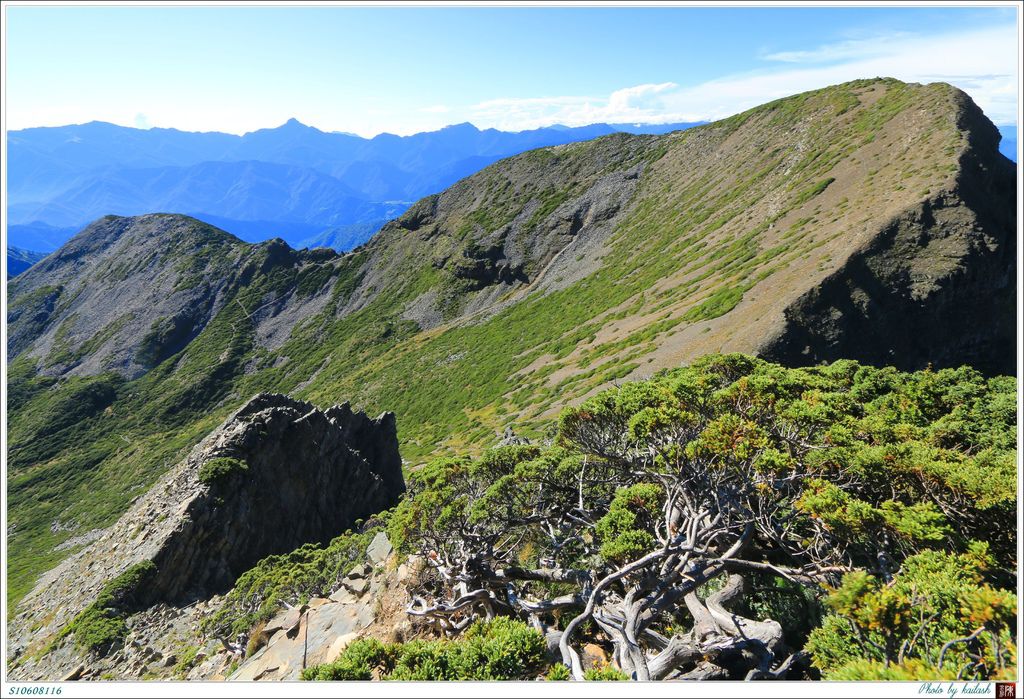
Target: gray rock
{"type": "Point", "coordinates": [74, 674]}
{"type": "Point", "coordinates": [344, 596]}
{"type": "Point", "coordinates": [357, 586]}
{"type": "Point", "coordinates": [286, 621]}
{"type": "Point", "coordinates": [323, 635]}
{"type": "Point", "coordinates": [360, 571]}
{"type": "Point", "coordinates": [379, 549]}
{"type": "Point", "coordinates": [510, 438]}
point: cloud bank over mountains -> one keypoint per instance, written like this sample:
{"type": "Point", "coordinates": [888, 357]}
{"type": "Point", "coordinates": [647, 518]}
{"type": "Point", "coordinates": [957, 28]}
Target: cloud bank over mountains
{"type": "Point", "coordinates": [980, 62]}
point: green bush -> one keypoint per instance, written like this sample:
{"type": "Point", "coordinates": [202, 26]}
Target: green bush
{"type": "Point", "coordinates": [605, 674]}
{"type": "Point", "coordinates": [220, 469]}
{"type": "Point", "coordinates": [625, 531]}
{"type": "Point", "coordinates": [358, 662]}
{"type": "Point", "coordinates": [186, 661]}
{"type": "Point", "coordinates": [500, 649]}
{"type": "Point", "coordinates": [101, 625]}
{"type": "Point", "coordinates": [97, 630]}
{"type": "Point", "coordinates": [311, 570]}
{"type": "Point", "coordinates": [814, 190]}
{"type": "Point", "coordinates": [559, 673]}
{"type": "Point", "coordinates": [716, 305]}
{"type": "Point", "coordinates": [899, 630]}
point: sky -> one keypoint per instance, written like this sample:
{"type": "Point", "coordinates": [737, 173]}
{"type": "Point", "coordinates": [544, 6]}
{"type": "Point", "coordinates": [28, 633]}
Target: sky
{"type": "Point", "coordinates": [368, 70]}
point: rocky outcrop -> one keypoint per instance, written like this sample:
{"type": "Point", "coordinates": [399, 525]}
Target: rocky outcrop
{"type": "Point", "coordinates": [545, 232]}
{"type": "Point", "coordinates": [370, 601]}
{"type": "Point", "coordinates": [165, 642]}
{"type": "Point", "coordinates": [275, 475]}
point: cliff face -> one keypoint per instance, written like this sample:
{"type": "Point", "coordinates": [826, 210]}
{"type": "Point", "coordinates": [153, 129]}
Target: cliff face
{"type": "Point", "coordinates": [935, 286]}
{"type": "Point", "coordinates": [275, 475]}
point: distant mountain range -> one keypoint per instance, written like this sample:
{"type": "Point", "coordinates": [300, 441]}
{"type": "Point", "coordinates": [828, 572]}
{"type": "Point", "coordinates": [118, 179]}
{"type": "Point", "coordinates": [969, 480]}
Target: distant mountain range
{"type": "Point", "coordinates": [19, 260]}
{"type": "Point", "coordinates": [296, 182]}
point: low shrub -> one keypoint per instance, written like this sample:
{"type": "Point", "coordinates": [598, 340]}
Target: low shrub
{"type": "Point", "coordinates": [220, 469]}
{"type": "Point", "coordinates": [500, 649]}
{"type": "Point", "coordinates": [101, 625]}
{"type": "Point", "coordinates": [605, 674]}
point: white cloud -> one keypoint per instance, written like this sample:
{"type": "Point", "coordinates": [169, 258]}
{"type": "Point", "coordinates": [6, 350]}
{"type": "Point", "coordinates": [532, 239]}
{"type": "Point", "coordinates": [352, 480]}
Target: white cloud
{"type": "Point", "coordinates": [638, 97]}
{"type": "Point", "coordinates": [640, 103]}
{"type": "Point", "coordinates": [880, 45]}
{"type": "Point", "coordinates": [982, 62]}
{"type": "Point", "coordinates": [435, 109]}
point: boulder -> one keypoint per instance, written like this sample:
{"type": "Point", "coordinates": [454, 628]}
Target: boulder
{"type": "Point", "coordinates": [344, 596]}
{"type": "Point", "coordinates": [593, 656]}
{"type": "Point", "coordinates": [286, 621]}
{"type": "Point", "coordinates": [360, 571]}
{"type": "Point", "coordinates": [379, 549]}
{"type": "Point", "coordinates": [323, 633]}
{"type": "Point", "coordinates": [357, 586]}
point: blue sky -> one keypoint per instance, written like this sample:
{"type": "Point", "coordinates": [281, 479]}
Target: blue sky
{"type": "Point", "coordinates": [402, 70]}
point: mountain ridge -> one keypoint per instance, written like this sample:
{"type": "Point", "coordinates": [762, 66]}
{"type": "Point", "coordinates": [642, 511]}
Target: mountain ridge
{"type": "Point", "coordinates": [49, 174]}
{"type": "Point", "coordinates": [525, 287]}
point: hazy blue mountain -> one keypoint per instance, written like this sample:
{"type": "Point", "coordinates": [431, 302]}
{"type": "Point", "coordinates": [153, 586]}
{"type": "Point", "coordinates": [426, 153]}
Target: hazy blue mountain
{"type": "Point", "coordinates": [19, 260]}
{"type": "Point", "coordinates": [38, 236]}
{"type": "Point", "coordinates": [343, 237]}
{"type": "Point", "coordinates": [43, 162]}
{"type": "Point", "coordinates": [293, 181]}
{"type": "Point", "coordinates": [1008, 146]}
{"type": "Point", "coordinates": [247, 190]}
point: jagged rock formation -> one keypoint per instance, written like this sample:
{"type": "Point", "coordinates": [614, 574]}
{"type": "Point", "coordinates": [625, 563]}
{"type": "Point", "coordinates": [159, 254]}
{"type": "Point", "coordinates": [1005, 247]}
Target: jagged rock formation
{"type": "Point", "coordinates": [289, 474]}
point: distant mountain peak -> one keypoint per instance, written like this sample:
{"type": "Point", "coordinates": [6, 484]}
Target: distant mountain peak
{"type": "Point", "coordinates": [464, 126]}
